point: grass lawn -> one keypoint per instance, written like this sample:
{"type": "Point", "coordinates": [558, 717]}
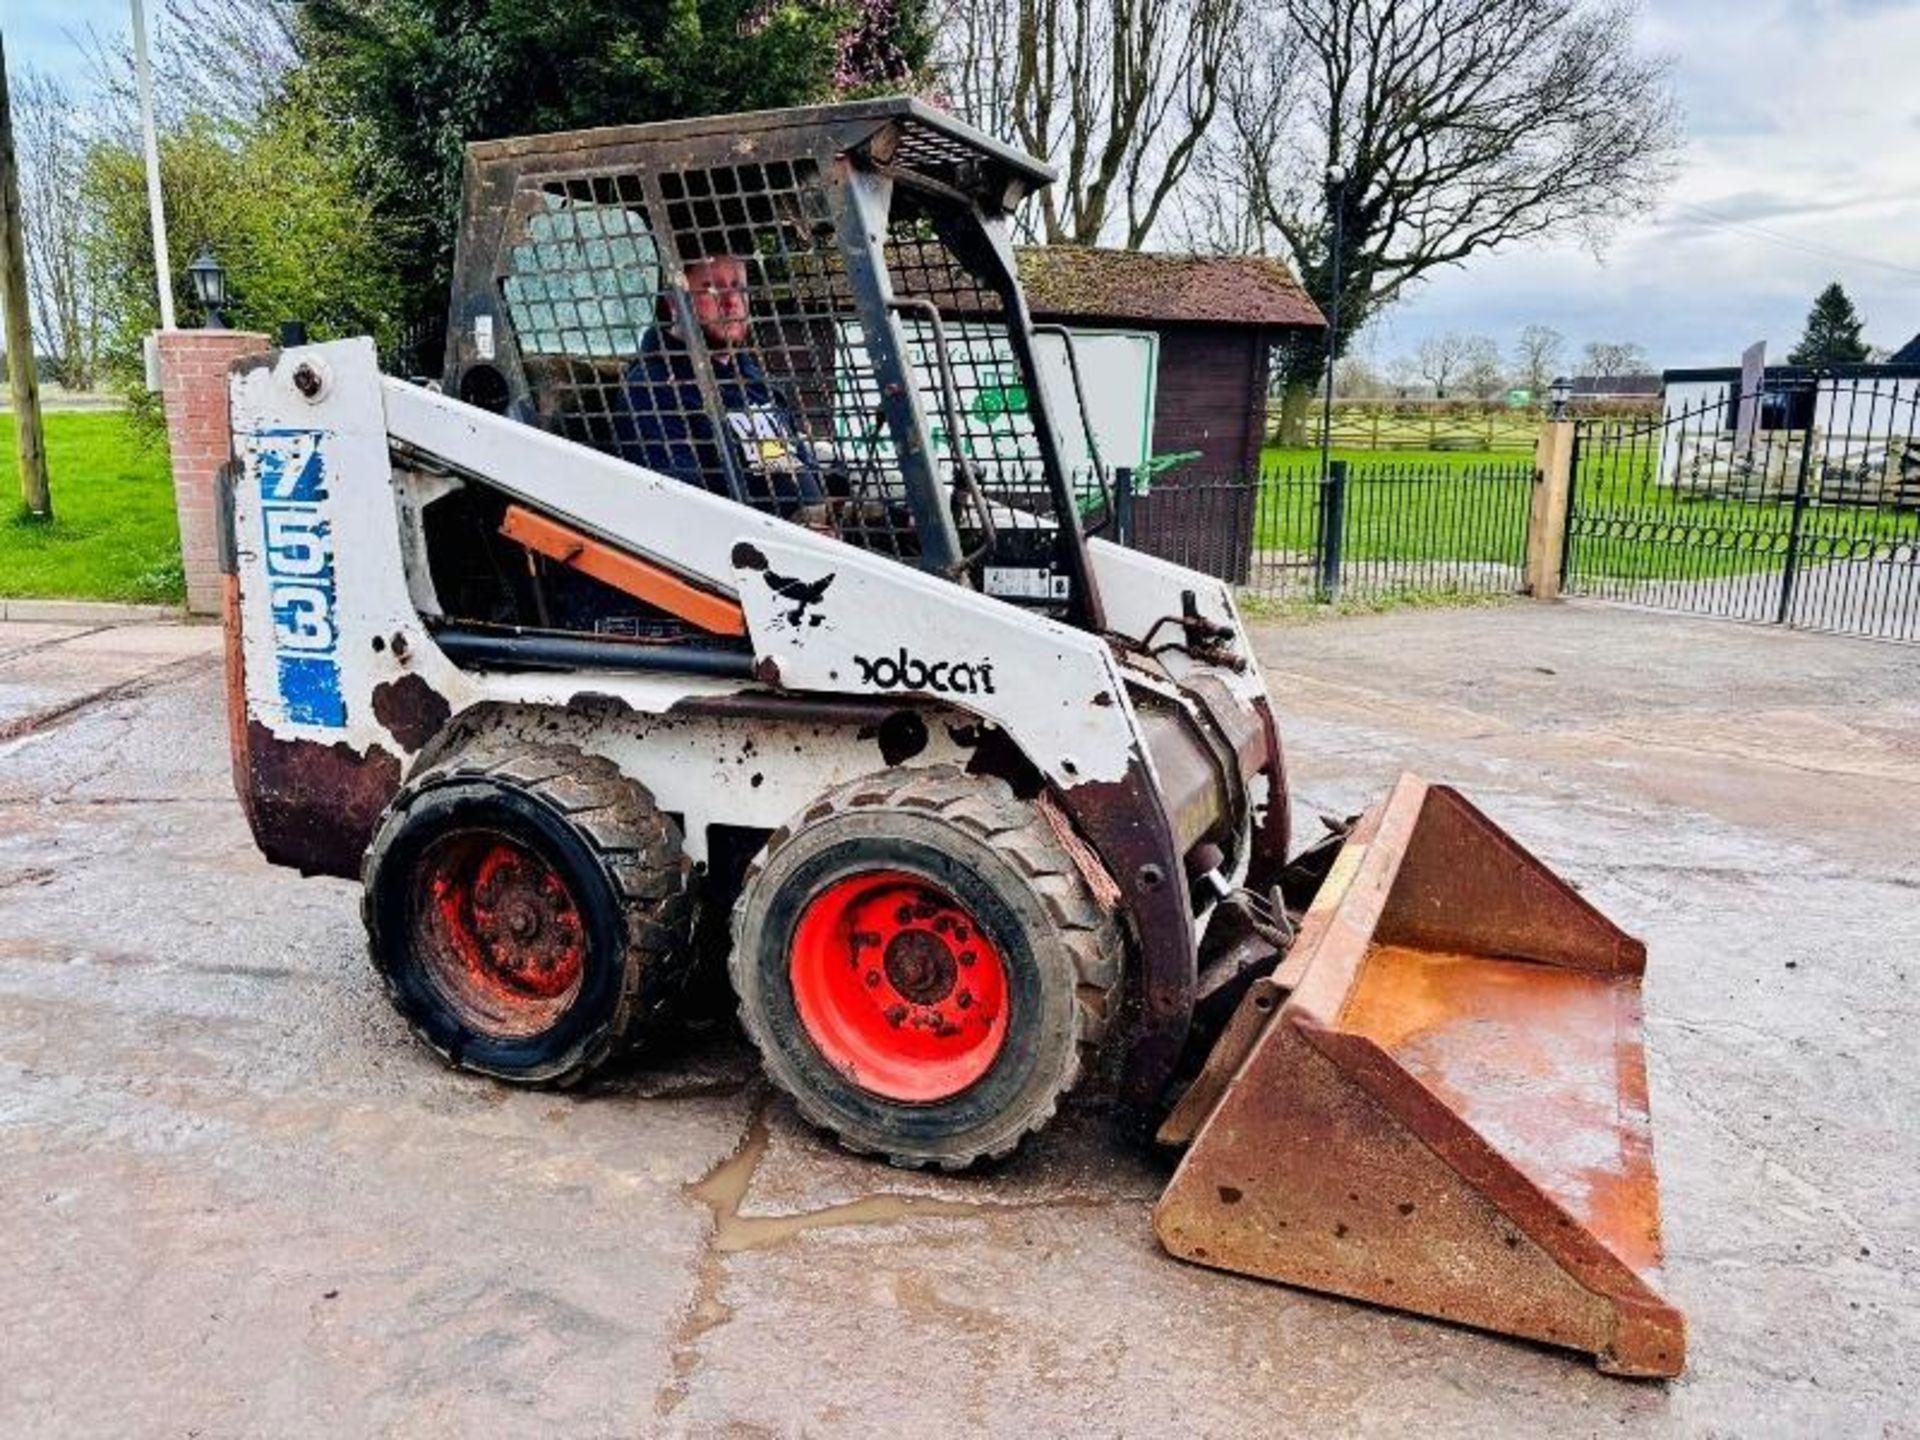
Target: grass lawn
{"type": "Point", "coordinates": [1627, 527]}
{"type": "Point", "coordinates": [1405, 506]}
{"type": "Point", "coordinates": [113, 535]}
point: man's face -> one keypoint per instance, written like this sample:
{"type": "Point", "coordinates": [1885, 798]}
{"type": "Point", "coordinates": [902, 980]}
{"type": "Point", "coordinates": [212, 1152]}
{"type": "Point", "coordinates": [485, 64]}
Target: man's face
{"type": "Point", "coordinates": [718, 289]}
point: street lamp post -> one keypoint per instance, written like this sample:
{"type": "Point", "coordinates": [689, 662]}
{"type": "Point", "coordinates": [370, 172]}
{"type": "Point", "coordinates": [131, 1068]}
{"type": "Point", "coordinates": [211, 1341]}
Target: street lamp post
{"type": "Point", "coordinates": [1337, 197]}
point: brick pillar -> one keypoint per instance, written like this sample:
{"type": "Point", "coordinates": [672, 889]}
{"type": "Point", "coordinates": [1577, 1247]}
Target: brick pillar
{"type": "Point", "coordinates": [193, 373]}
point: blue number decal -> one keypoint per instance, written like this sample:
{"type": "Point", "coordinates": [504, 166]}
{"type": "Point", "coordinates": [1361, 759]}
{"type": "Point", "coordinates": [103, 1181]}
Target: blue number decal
{"type": "Point", "coordinates": [298, 546]}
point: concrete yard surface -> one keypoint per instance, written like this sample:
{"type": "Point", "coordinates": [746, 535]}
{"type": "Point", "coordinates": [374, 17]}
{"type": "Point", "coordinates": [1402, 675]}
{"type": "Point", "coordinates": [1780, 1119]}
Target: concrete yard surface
{"type": "Point", "coordinates": [242, 1200]}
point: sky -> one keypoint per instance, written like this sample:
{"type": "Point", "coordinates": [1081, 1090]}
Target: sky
{"type": "Point", "coordinates": [38, 31]}
{"type": "Point", "coordinates": [1801, 166]}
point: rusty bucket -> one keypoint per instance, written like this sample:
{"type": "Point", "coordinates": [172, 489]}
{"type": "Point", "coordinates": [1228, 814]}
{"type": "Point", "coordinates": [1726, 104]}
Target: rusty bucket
{"type": "Point", "coordinates": [1439, 1102]}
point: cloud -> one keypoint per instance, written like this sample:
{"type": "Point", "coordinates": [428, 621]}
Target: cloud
{"type": "Point", "coordinates": [1800, 168]}
{"type": "Point", "coordinates": [1755, 207]}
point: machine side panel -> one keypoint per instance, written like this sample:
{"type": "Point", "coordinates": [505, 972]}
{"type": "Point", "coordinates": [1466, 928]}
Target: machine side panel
{"type": "Point", "coordinates": [341, 686]}
{"type": "Point", "coordinates": [710, 769]}
{"type": "Point", "coordinates": [828, 618]}
{"type": "Point", "coordinates": [318, 570]}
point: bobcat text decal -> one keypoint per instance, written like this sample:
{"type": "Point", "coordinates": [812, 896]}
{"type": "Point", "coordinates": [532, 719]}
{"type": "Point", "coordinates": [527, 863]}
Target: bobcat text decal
{"type": "Point", "coordinates": [941, 677]}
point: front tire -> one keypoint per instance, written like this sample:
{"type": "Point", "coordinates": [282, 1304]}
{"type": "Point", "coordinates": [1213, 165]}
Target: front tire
{"type": "Point", "coordinates": [923, 967]}
{"type": "Point", "coordinates": [526, 906]}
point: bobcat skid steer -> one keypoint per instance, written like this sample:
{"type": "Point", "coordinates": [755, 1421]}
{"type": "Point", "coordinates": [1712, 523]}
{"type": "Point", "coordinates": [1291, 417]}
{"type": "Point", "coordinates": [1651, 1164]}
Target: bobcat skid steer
{"type": "Point", "coordinates": [731, 593]}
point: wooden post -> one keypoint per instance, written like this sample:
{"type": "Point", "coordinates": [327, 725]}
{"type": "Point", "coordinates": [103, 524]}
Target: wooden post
{"type": "Point", "coordinates": [13, 299]}
{"type": "Point", "coordinates": [1547, 523]}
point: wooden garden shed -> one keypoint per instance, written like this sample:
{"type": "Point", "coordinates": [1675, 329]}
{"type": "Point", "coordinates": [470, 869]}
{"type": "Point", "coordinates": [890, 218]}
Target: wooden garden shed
{"type": "Point", "coordinates": [1217, 318]}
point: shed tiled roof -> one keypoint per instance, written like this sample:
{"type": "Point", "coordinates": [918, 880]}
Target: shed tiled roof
{"type": "Point", "coordinates": [1138, 285]}
{"type": "Point", "coordinates": [1907, 354]}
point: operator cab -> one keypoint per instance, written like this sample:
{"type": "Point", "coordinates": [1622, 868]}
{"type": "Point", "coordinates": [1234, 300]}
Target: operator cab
{"type": "Point", "coordinates": [812, 311]}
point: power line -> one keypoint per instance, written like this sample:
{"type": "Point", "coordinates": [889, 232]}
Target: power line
{"type": "Point", "coordinates": [1807, 247]}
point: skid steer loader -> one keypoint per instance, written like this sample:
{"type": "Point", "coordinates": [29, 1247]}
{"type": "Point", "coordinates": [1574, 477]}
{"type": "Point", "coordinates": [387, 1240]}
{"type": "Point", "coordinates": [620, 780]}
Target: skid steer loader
{"type": "Point", "coordinates": [731, 592]}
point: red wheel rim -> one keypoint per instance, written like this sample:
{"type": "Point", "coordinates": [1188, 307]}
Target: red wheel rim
{"type": "Point", "coordinates": [899, 987]}
{"type": "Point", "coordinates": [500, 931]}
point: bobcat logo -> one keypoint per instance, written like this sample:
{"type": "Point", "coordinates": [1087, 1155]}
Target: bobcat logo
{"type": "Point", "coordinates": [804, 595]}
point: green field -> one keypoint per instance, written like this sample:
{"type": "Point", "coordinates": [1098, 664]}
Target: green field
{"type": "Point", "coordinates": [1628, 528]}
{"type": "Point", "coordinates": [113, 535]}
{"type": "Point", "coordinates": [1404, 507]}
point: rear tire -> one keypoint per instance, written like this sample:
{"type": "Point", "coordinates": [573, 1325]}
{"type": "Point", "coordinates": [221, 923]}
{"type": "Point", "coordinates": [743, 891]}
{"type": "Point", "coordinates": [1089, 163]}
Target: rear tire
{"type": "Point", "coordinates": [870, 996]}
{"type": "Point", "coordinates": [526, 905]}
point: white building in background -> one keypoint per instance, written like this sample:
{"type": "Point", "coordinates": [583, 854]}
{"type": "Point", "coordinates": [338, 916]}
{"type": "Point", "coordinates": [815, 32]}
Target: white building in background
{"type": "Point", "coordinates": [1861, 424]}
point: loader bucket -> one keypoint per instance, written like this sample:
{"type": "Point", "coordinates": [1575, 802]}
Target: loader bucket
{"type": "Point", "coordinates": [1439, 1103]}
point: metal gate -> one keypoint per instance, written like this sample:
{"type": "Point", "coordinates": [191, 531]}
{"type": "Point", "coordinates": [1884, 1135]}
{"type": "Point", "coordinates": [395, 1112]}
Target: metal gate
{"type": "Point", "coordinates": [1797, 503]}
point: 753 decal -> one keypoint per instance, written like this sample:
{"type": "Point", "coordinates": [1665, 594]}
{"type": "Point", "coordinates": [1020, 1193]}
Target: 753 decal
{"type": "Point", "coordinates": [297, 537]}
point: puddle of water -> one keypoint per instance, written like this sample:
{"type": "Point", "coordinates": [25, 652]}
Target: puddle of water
{"type": "Point", "coordinates": [723, 1190]}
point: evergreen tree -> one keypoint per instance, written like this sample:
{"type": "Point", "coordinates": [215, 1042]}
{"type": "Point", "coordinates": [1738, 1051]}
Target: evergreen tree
{"type": "Point", "coordinates": [1833, 332]}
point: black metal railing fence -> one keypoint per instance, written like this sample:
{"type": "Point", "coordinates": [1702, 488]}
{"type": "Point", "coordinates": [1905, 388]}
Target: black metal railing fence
{"type": "Point", "coordinates": [1796, 503]}
{"type": "Point", "coordinates": [1372, 531]}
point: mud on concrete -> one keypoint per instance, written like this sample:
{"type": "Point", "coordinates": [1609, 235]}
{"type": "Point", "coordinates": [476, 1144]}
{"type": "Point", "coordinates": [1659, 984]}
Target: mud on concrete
{"type": "Point", "coordinates": [242, 1201]}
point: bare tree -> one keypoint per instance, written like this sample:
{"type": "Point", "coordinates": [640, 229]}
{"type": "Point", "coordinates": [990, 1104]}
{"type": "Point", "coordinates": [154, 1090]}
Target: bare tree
{"type": "Point", "coordinates": [1462, 126]}
{"type": "Point", "coordinates": [1536, 356]}
{"type": "Point", "coordinates": [1607, 358]}
{"type": "Point", "coordinates": [1456, 361]}
{"type": "Point", "coordinates": [63, 289]}
{"type": "Point", "coordinates": [1354, 378]}
{"type": "Point", "coordinates": [1482, 376]}
{"type": "Point", "coordinates": [1117, 93]}
{"type": "Point", "coordinates": [227, 59]}
{"type": "Point", "coordinates": [1216, 211]}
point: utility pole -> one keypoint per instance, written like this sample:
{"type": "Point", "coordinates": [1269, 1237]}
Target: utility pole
{"type": "Point", "coordinates": [13, 299]}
